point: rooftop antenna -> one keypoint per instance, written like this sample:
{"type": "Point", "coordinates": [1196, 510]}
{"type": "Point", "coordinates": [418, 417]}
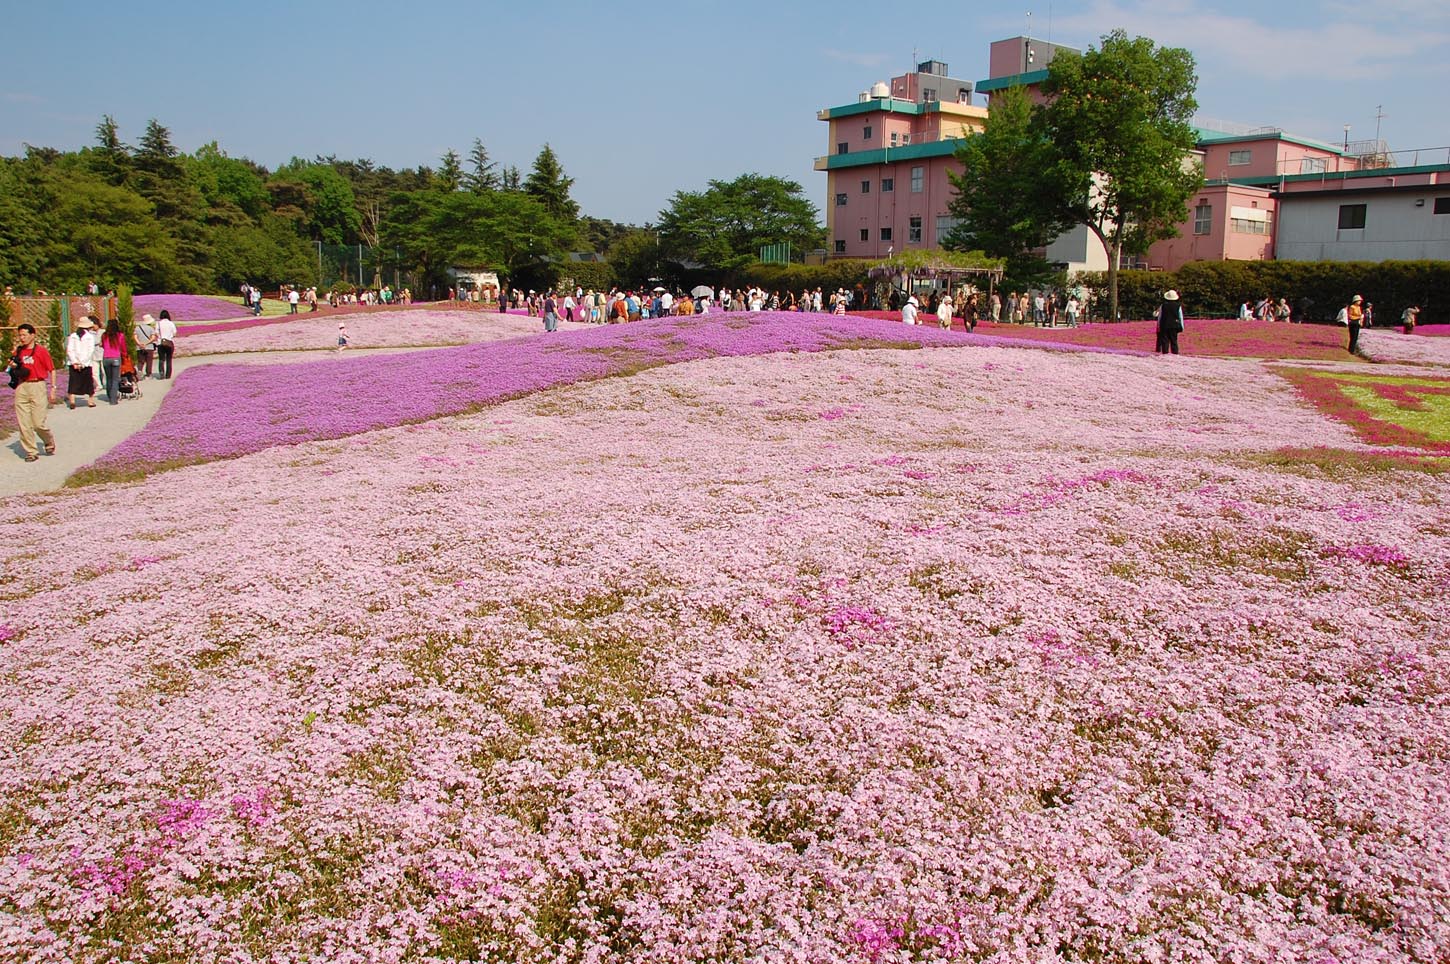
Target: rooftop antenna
{"type": "Point", "coordinates": [1379, 115]}
{"type": "Point", "coordinates": [1049, 23]}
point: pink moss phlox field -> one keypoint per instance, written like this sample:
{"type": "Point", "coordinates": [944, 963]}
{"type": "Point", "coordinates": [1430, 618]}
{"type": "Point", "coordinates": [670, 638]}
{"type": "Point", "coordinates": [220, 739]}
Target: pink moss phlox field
{"type": "Point", "coordinates": [189, 307]}
{"type": "Point", "coordinates": [1391, 345]}
{"type": "Point", "coordinates": [377, 329]}
{"type": "Point", "coordinates": [669, 668]}
{"type": "Point", "coordinates": [221, 411]}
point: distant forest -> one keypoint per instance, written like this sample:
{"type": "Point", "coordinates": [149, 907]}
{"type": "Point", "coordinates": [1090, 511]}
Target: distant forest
{"type": "Point", "coordinates": [156, 219]}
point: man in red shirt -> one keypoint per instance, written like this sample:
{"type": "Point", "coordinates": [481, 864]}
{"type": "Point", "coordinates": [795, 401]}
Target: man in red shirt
{"type": "Point", "coordinates": [34, 394]}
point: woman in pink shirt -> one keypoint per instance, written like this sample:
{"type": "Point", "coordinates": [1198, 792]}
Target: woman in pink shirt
{"type": "Point", "coordinates": [113, 349]}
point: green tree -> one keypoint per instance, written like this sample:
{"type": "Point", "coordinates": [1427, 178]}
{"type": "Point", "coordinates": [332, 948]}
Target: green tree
{"type": "Point", "coordinates": [111, 158]}
{"type": "Point", "coordinates": [725, 225]}
{"type": "Point", "coordinates": [1118, 120]}
{"type": "Point", "coordinates": [483, 177]}
{"type": "Point", "coordinates": [126, 317]}
{"type": "Point", "coordinates": [1001, 200]}
{"type": "Point", "coordinates": [7, 344]}
{"type": "Point", "coordinates": [510, 179]}
{"type": "Point", "coordinates": [450, 172]}
{"type": "Point", "coordinates": [635, 258]}
{"type": "Point", "coordinates": [234, 190]}
{"type": "Point", "coordinates": [55, 337]}
{"type": "Point", "coordinates": [318, 198]}
{"type": "Point", "coordinates": [547, 183]}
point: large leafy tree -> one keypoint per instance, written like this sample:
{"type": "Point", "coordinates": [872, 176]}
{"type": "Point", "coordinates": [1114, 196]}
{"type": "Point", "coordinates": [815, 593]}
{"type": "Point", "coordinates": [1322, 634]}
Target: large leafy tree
{"type": "Point", "coordinates": [509, 232]}
{"type": "Point", "coordinates": [725, 225]}
{"type": "Point", "coordinates": [1118, 119]}
{"type": "Point", "coordinates": [1001, 203]}
{"type": "Point", "coordinates": [1108, 149]}
{"type": "Point", "coordinates": [548, 184]}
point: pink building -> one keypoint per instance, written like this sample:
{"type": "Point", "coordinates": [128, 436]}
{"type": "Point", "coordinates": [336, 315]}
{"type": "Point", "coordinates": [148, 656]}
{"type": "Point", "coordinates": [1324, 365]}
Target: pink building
{"type": "Point", "coordinates": [1226, 222]}
{"type": "Point", "coordinates": [887, 186]}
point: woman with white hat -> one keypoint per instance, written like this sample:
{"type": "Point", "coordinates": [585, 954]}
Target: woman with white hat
{"type": "Point", "coordinates": [81, 378]}
{"type": "Point", "coordinates": [1170, 322]}
{"type": "Point", "coordinates": [1353, 316]}
{"type": "Point", "coordinates": [146, 341]}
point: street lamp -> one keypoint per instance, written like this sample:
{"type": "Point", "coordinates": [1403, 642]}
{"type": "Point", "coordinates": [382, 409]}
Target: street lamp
{"type": "Point", "coordinates": [1346, 138]}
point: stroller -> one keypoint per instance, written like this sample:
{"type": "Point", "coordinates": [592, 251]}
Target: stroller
{"type": "Point", "coordinates": [127, 385]}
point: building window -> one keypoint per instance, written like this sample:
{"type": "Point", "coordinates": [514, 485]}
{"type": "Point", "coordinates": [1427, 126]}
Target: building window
{"type": "Point", "coordinates": [865, 234]}
{"type": "Point", "coordinates": [918, 177]}
{"type": "Point", "coordinates": [840, 200]}
{"type": "Point", "coordinates": [888, 184]}
{"type": "Point", "coordinates": [945, 225]}
{"type": "Point", "coordinates": [866, 133]}
{"type": "Point", "coordinates": [865, 187]}
{"type": "Point", "coordinates": [1239, 158]}
{"type": "Point", "coordinates": [843, 148]}
{"type": "Point", "coordinates": [905, 139]}
{"type": "Point", "coordinates": [1246, 226]}
{"type": "Point", "coordinates": [885, 234]}
{"type": "Point", "coordinates": [893, 138]}
{"type": "Point", "coordinates": [928, 94]}
{"type": "Point", "coordinates": [913, 231]}
{"type": "Point", "coordinates": [1442, 205]}
{"type": "Point", "coordinates": [840, 246]}
{"type": "Point", "coordinates": [1312, 165]}
{"type": "Point", "coordinates": [1351, 217]}
{"type": "Point", "coordinates": [1203, 219]}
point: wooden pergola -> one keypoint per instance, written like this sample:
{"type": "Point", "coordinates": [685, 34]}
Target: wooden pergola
{"type": "Point", "coordinates": [949, 266]}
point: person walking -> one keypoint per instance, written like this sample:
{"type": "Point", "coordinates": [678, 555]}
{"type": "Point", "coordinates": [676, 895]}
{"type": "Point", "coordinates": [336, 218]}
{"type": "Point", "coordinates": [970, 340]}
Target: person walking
{"type": "Point", "coordinates": [113, 351]}
{"type": "Point", "coordinates": [908, 311]}
{"type": "Point", "coordinates": [80, 379]}
{"type": "Point", "coordinates": [165, 343]}
{"type": "Point", "coordinates": [146, 339]}
{"type": "Point", "coordinates": [1409, 318]}
{"type": "Point", "coordinates": [293, 298]}
{"type": "Point", "coordinates": [551, 313]}
{"type": "Point", "coordinates": [31, 365]}
{"type": "Point", "coordinates": [1353, 317]}
{"type": "Point", "coordinates": [944, 312]}
{"type": "Point", "coordinates": [1170, 322]}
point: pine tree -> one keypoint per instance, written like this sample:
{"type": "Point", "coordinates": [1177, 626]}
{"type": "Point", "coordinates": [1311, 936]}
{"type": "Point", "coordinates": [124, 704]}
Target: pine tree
{"type": "Point", "coordinates": [548, 183]}
{"type": "Point", "coordinates": [510, 180]}
{"type": "Point", "coordinates": [450, 172]}
{"type": "Point", "coordinates": [484, 178]}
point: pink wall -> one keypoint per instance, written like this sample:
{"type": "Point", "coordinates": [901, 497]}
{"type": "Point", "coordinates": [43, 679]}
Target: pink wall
{"type": "Point", "coordinates": [1268, 157]}
{"type": "Point", "coordinates": [1222, 243]}
{"type": "Point", "coordinates": [895, 209]}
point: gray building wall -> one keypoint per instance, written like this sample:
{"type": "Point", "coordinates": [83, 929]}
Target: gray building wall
{"type": "Point", "coordinates": [1399, 225]}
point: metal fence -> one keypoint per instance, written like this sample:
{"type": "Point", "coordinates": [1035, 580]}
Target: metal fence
{"type": "Point", "coordinates": [359, 265]}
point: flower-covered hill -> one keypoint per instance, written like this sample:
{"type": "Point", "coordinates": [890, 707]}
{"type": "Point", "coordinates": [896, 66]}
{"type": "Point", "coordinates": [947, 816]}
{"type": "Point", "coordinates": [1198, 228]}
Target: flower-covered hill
{"type": "Point", "coordinates": [1217, 337]}
{"type": "Point", "coordinates": [224, 411]}
{"type": "Point", "coordinates": [965, 654]}
{"type": "Point", "coordinates": [376, 329]}
{"type": "Point", "coordinates": [184, 308]}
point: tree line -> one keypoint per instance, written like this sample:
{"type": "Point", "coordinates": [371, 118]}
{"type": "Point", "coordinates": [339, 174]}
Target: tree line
{"type": "Point", "coordinates": [156, 219]}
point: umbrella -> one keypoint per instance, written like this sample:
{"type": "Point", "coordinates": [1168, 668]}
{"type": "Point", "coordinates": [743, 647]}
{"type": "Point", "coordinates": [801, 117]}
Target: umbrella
{"type": "Point", "coordinates": [702, 291]}
{"type": "Point", "coordinates": [659, 290]}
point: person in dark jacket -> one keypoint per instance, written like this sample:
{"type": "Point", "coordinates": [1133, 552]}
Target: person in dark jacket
{"type": "Point", "coordinates": [1170, 322]}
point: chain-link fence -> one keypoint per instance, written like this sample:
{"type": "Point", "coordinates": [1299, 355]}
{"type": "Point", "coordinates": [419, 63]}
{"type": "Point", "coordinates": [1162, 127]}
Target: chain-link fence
{"type": "Point", "coordinates": [359, 265]}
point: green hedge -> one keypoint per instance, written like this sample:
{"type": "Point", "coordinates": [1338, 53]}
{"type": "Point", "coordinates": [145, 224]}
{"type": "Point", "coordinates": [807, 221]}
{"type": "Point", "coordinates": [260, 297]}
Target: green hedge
{"type": "Point", "coordinates": [783, 277]}
{"type": "Point", "coordinates": [1316, 289]}
{"type": "Point", "coordinates": [590, 275]}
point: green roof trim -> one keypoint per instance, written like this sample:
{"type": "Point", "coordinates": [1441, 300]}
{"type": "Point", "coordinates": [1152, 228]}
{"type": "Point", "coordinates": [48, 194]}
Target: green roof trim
{"type": "Point", "coordinates": [887, 155]}
{"type": "Point", "coordinates": [890, 105]}
{"type": "Point", "coordinates": [1012, 80]}
{"type": "Point", "coordinates": [1272, 180]}
{"type": "Point", "coordinates": [1218, 137]}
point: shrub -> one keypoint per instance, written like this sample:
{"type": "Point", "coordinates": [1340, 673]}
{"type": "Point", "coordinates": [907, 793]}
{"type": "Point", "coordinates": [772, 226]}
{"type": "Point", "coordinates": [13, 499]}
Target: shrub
{"type": "Point", "coordinates": [126, 317]}
{"type": "Point", "coordinates": [1315, 289]}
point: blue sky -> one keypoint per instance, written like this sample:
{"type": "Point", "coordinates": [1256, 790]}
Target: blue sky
{"type": "Point", "coordinates": [642, 99]}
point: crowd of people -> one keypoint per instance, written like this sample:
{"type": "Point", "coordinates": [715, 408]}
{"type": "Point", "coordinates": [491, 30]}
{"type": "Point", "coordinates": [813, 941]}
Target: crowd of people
{"type": "Point", "coordinates": [294, 297]}
{"type": "Point", "coordinates": [620, 305]}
